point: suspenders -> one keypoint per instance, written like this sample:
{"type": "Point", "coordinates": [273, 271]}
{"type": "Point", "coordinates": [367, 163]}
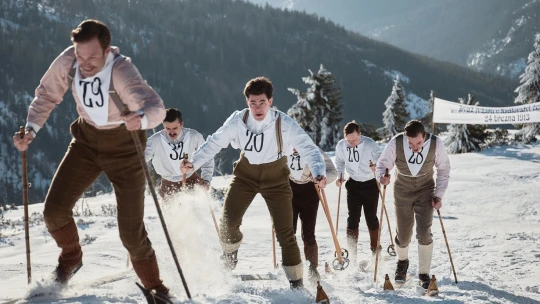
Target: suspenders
{"type": "Point", "coordinates": [112, 92]}
{"type": "Point", "coordinates": [279, 139]}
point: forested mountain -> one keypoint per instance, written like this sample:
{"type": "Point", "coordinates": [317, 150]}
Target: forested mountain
{"type": "Point", "coordinates": [198, 54]}
{"type": "Point", "coordinates": [488, 35]}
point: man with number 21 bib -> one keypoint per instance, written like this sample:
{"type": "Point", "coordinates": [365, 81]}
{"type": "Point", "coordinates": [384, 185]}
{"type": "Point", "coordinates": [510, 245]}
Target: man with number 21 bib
{"type": "Point", "coordinates": [265, 136]}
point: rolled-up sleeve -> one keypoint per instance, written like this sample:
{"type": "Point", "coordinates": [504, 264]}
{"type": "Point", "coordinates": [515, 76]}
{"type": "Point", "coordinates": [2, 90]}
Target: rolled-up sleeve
{"type": "Point", "coordinates": [135, 92]}
{"type": "Point", "coordinates": [387, 159]}
{"type": "Point", "coordinates": [215, 142]}
{"type": "Point", "coordinates": [442, 165]}
{"type": "Point", "coordinates": [51, 89]}
{"type": "Point", "coordinates": [207, 169]}
{"type": "Point", "coordinates": [331, 172]}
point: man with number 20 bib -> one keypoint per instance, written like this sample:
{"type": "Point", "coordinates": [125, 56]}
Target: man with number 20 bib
{"type": "Point", "coordinates": [414, 153]}
{"type": "Point", "coordinates": [265, 136]}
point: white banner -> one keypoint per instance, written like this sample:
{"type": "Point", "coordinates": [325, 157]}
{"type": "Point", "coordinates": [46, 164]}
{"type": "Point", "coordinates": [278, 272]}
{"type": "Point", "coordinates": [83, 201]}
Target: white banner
{"type": "Point", "coordinates": [453, 112]}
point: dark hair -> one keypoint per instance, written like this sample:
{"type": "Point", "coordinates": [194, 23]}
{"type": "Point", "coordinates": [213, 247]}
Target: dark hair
{"type": "Point", "coordinates": [89, 29]}
{"type": "Point", "coordinates": [172, 114]}
{"type": "Point", "coordinates": [351, 127]}
{"type": "Point", "coordinates": [413, 128]}
{"type": "Point", "coordinates": [259, 86]}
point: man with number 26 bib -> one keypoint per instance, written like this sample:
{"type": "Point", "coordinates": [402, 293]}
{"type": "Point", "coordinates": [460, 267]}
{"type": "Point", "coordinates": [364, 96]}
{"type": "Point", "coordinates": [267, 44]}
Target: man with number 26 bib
{"type": "Point", "coordinates": [414, 153]}
{"type": "Point", "coordinates": [353, 154]}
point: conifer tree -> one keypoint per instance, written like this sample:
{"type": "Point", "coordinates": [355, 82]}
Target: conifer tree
{"type": "Point", "coordinates": [463, 138]}
{"type": "Point", "coordinates": [529, 92]}
{"type": "Point", "coordinates": [318, 109]}
{"type": "Point", "coordinates": [396, 115]}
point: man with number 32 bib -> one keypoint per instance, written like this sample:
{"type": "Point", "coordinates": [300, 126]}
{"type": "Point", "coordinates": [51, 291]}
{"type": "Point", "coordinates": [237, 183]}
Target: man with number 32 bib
{"type": "Point", "coordinates": [265, 136]}
{"type": "Point", "coordinates": [166, 149]}
{"type": "Point", "coordinates": [415, 153]}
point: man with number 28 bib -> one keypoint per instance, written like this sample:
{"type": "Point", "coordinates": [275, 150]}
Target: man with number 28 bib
{"type": "Point", "coordinates": [414, 153]}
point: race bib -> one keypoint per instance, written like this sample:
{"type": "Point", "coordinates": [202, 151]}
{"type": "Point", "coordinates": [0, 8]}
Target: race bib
{"type": "Point", "coordinates": [175, 151]}
{"type": "Point", "coordinates": [297, 165]}
{"type": "Point", "coordinates": [93, 92]}
{"type": "Point", "coordinates": [415, 160]}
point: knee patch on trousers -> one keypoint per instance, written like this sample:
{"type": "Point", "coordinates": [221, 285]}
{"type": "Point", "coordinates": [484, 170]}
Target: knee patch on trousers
{"type": "Point", "coordinates": [425, 239]}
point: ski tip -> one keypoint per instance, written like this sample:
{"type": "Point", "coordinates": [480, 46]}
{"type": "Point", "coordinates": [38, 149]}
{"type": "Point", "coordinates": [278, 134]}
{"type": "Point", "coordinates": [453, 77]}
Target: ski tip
{"type": "Point", "coordinates": [144, 290]}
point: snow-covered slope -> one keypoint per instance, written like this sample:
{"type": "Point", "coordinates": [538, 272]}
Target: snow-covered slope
{"type": "Point", "coordinates": [491, 214]}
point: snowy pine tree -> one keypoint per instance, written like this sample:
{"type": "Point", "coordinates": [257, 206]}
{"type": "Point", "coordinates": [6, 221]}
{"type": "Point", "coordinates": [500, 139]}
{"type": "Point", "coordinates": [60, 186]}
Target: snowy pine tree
{"type": "Point", "coordinates": [529, 92]}
{"type": "Point", "coordinates": [396, 115]}
{"type": "Point", "coordinates": [427, 120]}
{"type": "Point", "coordinates": [318, 110]}
{"type": "Point", "coordinates": [463, 138]}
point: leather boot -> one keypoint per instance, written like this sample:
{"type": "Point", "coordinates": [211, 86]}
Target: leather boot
{"type": "Point", "coordinates": [401, 271]}
{"type": "Point", "coordinates": [230, 259]}
{"type": "Point", "coordinates": [148, 272]}
{"type": "Point", "coordinates": [70, 259]}
{"type": "Point", "coordinates": [352, 245]}
{"type": "Point", "coordinates": [294, 274]}
{"type": "Point", "coordinates": [312, 255]}
{"type": "Point", "coordinates": [296, 284]}
{"type": "Point", "coordinates": [402, 264]}
{"type": "Point", "coordinates": [373, 237]}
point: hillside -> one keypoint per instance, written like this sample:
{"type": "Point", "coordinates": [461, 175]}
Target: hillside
{"type": "Point", "coordinates": [494, 36]}
{"type": "Point", "coordinates": [198, 55]}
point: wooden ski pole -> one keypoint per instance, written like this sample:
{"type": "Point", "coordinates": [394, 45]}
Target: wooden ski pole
{"type": "Point", "coordinates": [338, 203]}
{"type": "Point", "coordinates": [214, 219]}
{"type": "Point", "coordinates": [447, 246]}
{"type": "Point", "coordinates": [380, 228]}
{"type": "Point", "coordinates": [274, 246]}
{"type": "Point", "coordinates": [184, 176]}
{"type": "Point", "coordinates": [140, 152]}
{"type": "Point", "coordinates": [322, 198]}
{"type": "Point", "coordinates": [25, 186]}
{"type": "Point", "coordinates": [371, 164]}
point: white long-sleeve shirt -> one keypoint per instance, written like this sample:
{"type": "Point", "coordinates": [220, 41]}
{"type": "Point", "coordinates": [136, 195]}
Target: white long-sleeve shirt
{"type": "Point", "coordinates": [356, 159]}
{"type": "Point", "coordinates": [258, 141]}
{"type": "Point", "coordinates": [166, 154]}
{"type": "Point", "coordinates": [442, 162]}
